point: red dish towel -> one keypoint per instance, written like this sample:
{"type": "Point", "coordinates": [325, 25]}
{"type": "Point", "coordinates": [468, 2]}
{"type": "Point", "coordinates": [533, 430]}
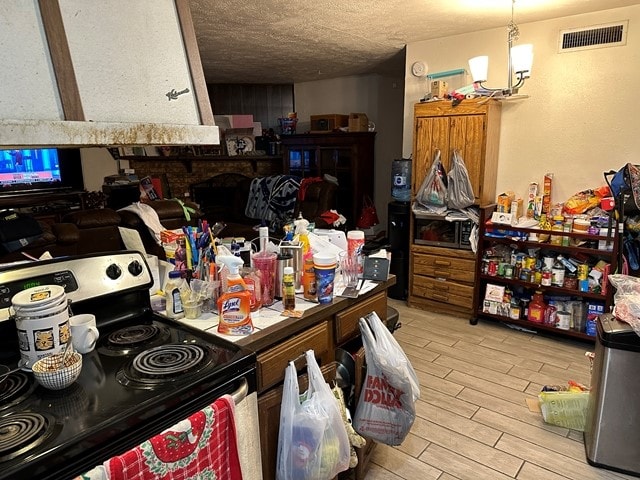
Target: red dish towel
{"type": "Point", "coordinates": [202, 446]}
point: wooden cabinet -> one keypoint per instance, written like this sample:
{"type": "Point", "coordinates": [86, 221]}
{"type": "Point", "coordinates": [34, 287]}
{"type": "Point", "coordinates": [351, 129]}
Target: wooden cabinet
{"type": "Point", "coordinates": [442, 279]}
{"type": "Point", "coordinates": [349, 157]}
{"type": "Point", "coordinates": [325, 329]}
{"type": "Point", "coordinates": [441, 276]}
{"type": "Point", "coordinates": [506, 245]}
{"type": "Point", "coordinates": [472, 128]}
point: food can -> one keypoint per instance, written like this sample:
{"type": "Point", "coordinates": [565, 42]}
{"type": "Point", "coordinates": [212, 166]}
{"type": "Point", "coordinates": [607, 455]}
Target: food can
{"type": "Point", "coordinates": [492, 268]}
{"type": "Point", "coordinates": [563, 320]}
{"type": "Point", "coordinates": [508, 271]}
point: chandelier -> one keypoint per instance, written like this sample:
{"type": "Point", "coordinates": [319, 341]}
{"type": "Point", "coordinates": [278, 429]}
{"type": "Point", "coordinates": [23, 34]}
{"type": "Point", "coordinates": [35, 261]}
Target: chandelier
{"type": "Point", "coordinates": [520, 61]}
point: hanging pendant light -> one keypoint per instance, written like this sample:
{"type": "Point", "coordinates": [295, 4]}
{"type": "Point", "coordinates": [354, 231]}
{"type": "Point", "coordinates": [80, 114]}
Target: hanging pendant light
{"type": "Point", "coordinates": [520, 61]}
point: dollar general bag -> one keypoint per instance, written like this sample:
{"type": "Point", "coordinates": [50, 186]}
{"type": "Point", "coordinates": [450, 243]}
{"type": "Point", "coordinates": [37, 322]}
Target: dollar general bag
{"type": "Point", "coordinates": [459, 190]}
{"type": "Point", "coordinates": [386, 408]}
{"type": "Point", "coordinates": [433, 191]}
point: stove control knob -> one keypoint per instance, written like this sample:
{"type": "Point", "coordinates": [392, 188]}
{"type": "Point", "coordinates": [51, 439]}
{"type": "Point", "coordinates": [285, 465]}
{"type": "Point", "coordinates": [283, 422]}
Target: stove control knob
{"type": "Point", "coordinates": [113, 271]}
{"type": "Point", "coordinates": [135, 268]}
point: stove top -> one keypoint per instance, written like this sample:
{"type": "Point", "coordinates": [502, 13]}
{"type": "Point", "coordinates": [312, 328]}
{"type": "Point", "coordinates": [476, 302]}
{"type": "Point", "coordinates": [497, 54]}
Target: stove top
{"type": "Point", "coordinates": [147, 373]}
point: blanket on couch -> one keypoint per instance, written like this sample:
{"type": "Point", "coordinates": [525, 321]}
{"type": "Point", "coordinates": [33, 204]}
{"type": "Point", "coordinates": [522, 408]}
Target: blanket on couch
{"type": "Point", "coordinates": [272, 199]}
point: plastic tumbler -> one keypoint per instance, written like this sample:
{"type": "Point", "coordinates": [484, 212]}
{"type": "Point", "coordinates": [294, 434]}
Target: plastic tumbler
{"type": "Point", "coordinates": [325, 268]}
{"type": "Point", "coordinates": [349, 266]}
{"type": "Point", "coordinates": [266, 263]}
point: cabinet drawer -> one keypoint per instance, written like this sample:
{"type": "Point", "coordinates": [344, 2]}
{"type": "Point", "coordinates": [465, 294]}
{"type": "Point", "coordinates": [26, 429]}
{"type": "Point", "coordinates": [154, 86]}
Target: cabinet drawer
{"type": "Point", "coordinates": [448, 268]}
{"type": "Point", "coordinates": [347, 320]}
{"type": "Point", "coordinates": [443, 291]}
{"type": "Point", "coordinates": [272, 362]}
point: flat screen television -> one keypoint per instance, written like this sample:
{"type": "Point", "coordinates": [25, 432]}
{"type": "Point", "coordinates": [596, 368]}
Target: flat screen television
{"type": "Point", "coordinates": [40, 170]}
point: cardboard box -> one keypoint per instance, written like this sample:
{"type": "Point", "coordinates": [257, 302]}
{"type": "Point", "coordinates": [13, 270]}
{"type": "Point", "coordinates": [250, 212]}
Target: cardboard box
{"type": "Point", "coordinates": [170, 236]}
{"type": "Point", "coordinates": [439, 88]}
{"type": "Point", "coordinates": [494, 293]}
{"type": "Point", "coordinates": [516, 208]}
{"type": "Point", "coordinates": [358, 122]}
{"type": "Point", "coordinates": [504, 202]}
{"type": "Point", "coordinates": [328, 122]}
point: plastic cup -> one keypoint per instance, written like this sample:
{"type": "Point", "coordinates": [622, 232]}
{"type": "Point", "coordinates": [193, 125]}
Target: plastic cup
{"type": "Point", "coordinates": [349, 267]}
{"type": "Point", "coordinates": [192, 308]}
{"type": "Point", "coordinates": [265, 263]}
{"type": "Point", "coordinates": [325, 269]}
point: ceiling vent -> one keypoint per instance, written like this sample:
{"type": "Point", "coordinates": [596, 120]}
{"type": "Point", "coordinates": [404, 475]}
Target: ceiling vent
{"type": "Point", "coordinates": [598, 36]}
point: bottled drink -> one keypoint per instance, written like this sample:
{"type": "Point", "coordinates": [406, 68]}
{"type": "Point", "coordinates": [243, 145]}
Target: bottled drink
{"type": "Point", "coordinates": [537, 308]}
{"type": "Point", "coordinates": [288, 289]}
{"type": "Point", "coordinates": [173, 290]}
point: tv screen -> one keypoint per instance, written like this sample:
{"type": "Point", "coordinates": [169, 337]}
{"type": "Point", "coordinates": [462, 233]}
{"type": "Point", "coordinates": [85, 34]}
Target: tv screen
{"type": "Point", "coordinates": [38, 169]}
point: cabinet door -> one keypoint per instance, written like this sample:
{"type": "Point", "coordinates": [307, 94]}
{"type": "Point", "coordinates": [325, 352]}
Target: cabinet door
{"type": "Point", "coordinates": [431, 133]}
{"type": "Point", "coordinates": [467, 136]}
{"type": "Point", "coordinates": [301, 162]}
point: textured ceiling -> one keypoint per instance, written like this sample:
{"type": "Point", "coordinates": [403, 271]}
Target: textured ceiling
{"type": "Point", "coordinates": [278, 41]}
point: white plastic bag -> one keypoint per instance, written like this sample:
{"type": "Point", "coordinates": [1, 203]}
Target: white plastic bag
{"type": "Point", "coordinates": [313, 442]}
{"type": "Point", "coordinates": [627, 299]}
{"type": "Point", "coordinates": [459, 190]}
{"type": "Point", "coordinates": [386, 408]}
{"type": "Point", "coordinates": [433, 191]}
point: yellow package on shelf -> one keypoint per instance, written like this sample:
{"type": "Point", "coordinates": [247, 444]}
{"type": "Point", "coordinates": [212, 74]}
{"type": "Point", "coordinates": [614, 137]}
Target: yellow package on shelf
{"type": "Point", "coordinates": [565, 409]}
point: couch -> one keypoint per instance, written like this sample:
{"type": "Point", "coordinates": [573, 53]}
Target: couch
{"type": "Point", "coordinates": [224, 197]}
{"type": "Point", "coordinates": [96, 230]}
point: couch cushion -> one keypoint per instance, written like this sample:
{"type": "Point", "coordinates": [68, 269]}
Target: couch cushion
{"type": "Point", "coordinates": [93, 218]}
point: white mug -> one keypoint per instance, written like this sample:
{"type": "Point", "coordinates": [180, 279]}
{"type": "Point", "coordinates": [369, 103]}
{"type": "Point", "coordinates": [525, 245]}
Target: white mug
{"type": "Point", "coordinates": [84, 333]}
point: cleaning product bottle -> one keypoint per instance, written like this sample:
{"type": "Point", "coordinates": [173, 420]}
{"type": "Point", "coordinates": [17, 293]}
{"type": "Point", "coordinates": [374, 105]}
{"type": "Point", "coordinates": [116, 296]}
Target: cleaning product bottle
{"type": "Point", "coordinates": [234, 305]}
{"type": "Point", "coordinates": [288, 289]}
{"type": "Point", "coordinates": [173, 290]}
{"type": "Point", "coordinates": [302, 233]}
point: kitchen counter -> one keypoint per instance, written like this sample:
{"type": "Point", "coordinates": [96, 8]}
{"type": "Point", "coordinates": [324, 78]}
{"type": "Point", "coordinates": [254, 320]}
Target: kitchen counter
{"type": "Point", "coordinates": [277, 340]}
{"type": "Point", "coordinates": [271, 327]}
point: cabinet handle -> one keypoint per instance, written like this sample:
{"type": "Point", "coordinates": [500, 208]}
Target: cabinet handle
{"type": "Point", "coordinates": [442, 263]}
{"type": "Point", "coordinates": [440, 297]}
{"type": "Point", "coordinates": [441, 274]}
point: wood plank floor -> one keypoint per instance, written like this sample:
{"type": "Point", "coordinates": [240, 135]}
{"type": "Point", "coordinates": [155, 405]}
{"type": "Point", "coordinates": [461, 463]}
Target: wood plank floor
{"type": "Point", "coordinates": [472, 420]}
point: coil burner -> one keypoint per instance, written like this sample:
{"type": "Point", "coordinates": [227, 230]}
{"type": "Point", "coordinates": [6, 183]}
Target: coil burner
{"type": "Point", "coordinates": [14, 388]}
{"type": "Point", "coordinates": [22, 432]}
{"type": "Point", "coordinates": [165, 363]}
{"type": "Point", "coordinates": [134, 339]}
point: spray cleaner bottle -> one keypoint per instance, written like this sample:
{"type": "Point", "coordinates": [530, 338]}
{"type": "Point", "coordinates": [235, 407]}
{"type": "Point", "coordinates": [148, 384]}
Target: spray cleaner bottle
{"type": "Point", "coordinates": [234, 305]}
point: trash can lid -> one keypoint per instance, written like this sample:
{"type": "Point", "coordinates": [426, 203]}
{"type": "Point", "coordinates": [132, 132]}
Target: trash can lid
{"type": "Point", "coordinates": [613, 333]}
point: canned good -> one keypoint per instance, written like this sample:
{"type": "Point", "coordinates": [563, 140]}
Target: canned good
{"type": "Point", "coordinates": [546, 278]}
{"type": "Point", "coordinates": [529, 262]}
{"type": "Point", "coordinates": [492, 268]}
{"type": "Point", "coordinates": [508, 271]}
{"type": "Point", "coordinates": [525, 275]}
{"type": "Point", "coordinates": [563, 320]}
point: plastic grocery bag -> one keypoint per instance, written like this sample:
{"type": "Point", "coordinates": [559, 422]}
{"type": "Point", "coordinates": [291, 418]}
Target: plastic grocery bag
{"type": "Point", "coordinates": [386, 408]}
{"type": "Point", "coordinates": [313, 442]}
{"type": "Point", "coordinates": [459, 190]}
{"type": "Point", "coordinates": [627, 299]}
{"type": "Point", "coordinates": [433, 191]}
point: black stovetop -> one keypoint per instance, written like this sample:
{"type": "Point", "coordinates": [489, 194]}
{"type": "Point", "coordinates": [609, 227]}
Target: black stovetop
{"type": "Point", "coordinates": [105, 412]}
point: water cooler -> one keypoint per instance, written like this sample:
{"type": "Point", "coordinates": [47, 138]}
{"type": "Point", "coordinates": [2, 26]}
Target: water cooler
{"type": "Point", "coordinates": [398, 227]}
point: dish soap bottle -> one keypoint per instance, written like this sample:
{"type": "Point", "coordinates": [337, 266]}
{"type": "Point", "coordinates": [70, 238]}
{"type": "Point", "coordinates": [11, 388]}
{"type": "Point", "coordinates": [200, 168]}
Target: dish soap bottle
{"type": "Point", "coordinates": [173, 289]}
{"type": "Point", "coordinates": [234, 305]}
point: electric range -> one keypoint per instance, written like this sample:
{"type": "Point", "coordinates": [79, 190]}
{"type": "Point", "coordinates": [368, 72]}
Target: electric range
{"type": "Point", "coordinates": [147, 372]}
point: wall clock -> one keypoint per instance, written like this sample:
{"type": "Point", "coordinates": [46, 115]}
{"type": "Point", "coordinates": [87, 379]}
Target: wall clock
{"type": "Point", "coordinates": [419, 69]}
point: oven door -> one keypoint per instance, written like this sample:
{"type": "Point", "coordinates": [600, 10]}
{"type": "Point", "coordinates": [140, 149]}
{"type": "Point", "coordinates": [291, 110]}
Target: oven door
{"type": "Point", "coordinates": [201, 443]}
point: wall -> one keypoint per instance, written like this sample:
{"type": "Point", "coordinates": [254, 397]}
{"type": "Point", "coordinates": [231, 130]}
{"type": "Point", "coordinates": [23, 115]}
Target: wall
{"type": "Point", "coordinates": [380, 97]}
{"type": "Point", "coordinates": [580, 118]}
{"type": "Point", "coordinates": [97, 163]}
